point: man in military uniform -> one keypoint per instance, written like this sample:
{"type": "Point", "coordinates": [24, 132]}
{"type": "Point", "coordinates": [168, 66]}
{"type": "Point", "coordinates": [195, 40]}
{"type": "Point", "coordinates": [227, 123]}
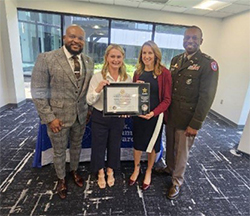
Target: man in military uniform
{"type": "Point", "coordinates": [194, 83]}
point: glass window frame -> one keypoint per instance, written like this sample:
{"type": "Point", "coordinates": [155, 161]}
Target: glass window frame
{"type": "Point", "coordinates": [109, 19]}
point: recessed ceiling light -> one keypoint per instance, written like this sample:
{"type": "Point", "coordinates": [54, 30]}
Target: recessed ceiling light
{"type": "Point", "coordinates": [212, 5]}
{"type": "Point", "coordinates": [96, 26]}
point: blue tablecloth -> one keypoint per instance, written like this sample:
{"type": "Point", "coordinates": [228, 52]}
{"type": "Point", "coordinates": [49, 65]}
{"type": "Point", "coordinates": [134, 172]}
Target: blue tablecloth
{"type": "Point", "coordinates": [44, 152]}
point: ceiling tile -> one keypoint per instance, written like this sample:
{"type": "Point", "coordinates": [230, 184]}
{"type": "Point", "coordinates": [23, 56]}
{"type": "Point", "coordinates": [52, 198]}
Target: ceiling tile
{"type": "Point", "coordinates": [128, 3]}
{"type": "Point", "coordinates": [195, 11]}
{"type": "Point", "coordinates": [179, 6]}
{"type": "Point", "coordinates": [235, 8]}
{"type": "Point", "coordinates": [174, 8]}
{"type": "Point", "coordinates": [102, 2]}
{"type": "Point", "coordinates": [183, 3]}
{"type": "Point", "coordinates": [151, 5]}
{"type": "Point", "coordinates": [229, 1]}
{"type": "Point", "coordinates": [218, 14]}
{"type": "Point", "coordinates": [244, 2]}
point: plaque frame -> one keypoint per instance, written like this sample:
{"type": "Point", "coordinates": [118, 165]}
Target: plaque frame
{"type": "Point", "coordinates": [116, 95]}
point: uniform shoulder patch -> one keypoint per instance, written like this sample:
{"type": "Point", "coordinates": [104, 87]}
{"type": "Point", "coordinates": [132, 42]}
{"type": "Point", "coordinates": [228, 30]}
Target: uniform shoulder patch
{"type": "Point", "coordinates": [214, 66]}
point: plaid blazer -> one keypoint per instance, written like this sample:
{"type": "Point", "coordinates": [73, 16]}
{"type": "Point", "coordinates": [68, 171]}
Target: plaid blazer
{"type": "Point", "coordinates": [55, 90]}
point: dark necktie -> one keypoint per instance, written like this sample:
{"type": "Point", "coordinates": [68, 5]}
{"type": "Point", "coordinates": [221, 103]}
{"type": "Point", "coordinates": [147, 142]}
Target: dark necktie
{"type": "Point", "coordinates": [185, 59]}
{"type": "Point", "coordinates": [76, 66]}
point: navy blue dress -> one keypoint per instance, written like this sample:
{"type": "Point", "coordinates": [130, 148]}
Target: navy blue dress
{"type": "Point", "coordinates": [143, 129]}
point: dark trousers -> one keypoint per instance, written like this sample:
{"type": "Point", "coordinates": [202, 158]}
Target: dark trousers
{"type": "Point", "coordinates": [106, 134]}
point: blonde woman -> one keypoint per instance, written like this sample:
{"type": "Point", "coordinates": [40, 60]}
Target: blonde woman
{"type": "Point", "coordinates": [147, 129]}
{"type": "Point", "coordinates": [106, 131]}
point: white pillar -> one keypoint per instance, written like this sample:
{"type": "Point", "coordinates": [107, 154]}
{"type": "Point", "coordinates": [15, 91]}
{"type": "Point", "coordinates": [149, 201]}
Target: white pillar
{"type": "Point", "coordinates": [244, 144]}
{"type": "Point", "coordinates": [4, 94]}
{"type": "Point", "coordinates": [12, 69]}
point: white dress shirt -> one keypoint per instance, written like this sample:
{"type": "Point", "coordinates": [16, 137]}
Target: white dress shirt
{"type": "Point", "coordinates": [96, 99]}
{"type": "Point", "coordinates": [71, 61]}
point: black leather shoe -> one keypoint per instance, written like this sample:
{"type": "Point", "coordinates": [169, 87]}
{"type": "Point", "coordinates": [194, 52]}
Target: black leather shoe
{"type": "Point", "coordinates": [61, 188]}
{"type": "Point", "coordinates": [77, 178]}
{"type": "Point", "coordinates": [173, 192]}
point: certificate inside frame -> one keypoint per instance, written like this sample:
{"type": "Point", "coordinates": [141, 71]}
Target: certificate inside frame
{"type": "Point", "coordinates": [126, 99]}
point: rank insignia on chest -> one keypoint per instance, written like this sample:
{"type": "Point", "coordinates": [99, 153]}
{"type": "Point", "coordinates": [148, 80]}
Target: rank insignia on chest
{"type": "Point", "coordinates": [194, 67]}
{"type": "Point", "coordinates": [188, 81]}
{"type": "Point", "coordinates": [175, 66]}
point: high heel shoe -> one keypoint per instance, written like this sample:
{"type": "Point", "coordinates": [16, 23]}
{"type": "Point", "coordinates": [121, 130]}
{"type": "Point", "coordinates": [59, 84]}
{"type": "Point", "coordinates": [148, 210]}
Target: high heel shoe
{"type": "Point", "coordinates": [101, 181]}
{"type": "Point", "coordinates": [132, 182]}
{"type": "Point", "coordinates": [145, 186]}
{"type": "Point", "coordinates": [111, 179]}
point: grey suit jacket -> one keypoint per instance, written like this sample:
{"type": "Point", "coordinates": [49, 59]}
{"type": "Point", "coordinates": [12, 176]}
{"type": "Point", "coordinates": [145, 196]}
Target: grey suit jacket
{"type": "Point", "coordinates": [54, 88]}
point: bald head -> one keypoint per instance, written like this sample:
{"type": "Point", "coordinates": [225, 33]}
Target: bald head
{"type": "Point", "coordinates": [74, 26]}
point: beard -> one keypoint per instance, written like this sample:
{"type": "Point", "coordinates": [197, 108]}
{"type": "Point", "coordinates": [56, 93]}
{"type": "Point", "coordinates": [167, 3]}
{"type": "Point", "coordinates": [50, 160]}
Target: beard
{"type": "Point", "coordinates": [73, 52]}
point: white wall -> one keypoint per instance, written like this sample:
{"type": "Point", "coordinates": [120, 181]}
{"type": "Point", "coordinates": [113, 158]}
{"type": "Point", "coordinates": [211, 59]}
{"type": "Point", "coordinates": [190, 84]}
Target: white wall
{"type": "Point", "coordinates": [227, 41]}
{"type": "Point", "coordinates": [234, 62]}
{"type": "Point", "coordinates": [4, 95]}
{"type": "Point", "coordinates": [11, 70]}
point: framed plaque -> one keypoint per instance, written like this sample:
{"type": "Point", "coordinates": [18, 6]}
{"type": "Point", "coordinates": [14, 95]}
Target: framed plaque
{"type": "Point", "coordinates": [126, 99]}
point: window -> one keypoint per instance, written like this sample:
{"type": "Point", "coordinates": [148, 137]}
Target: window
{"type": "Point", "coordinates": [39, 32]}
{"type": "Point", "coordinates": [97, 34]}
{"type": "Point", "coordinates": [169, 40]}
{"type": "Point", "coordinates": [29, 45]}
{"type": "Point", "coordinates": [131, 36]}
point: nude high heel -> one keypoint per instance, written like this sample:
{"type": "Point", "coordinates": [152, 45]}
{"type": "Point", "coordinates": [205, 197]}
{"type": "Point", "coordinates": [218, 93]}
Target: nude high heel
{"type": "Point", "coordinates": [111, 179]}
{"type": "Point", "coordinates": [101, 181]}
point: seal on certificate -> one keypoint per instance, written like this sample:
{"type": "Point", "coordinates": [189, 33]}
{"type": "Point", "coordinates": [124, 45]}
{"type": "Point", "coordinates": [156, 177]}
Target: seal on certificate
{"type": "Point", "coordinates": [144, 107]}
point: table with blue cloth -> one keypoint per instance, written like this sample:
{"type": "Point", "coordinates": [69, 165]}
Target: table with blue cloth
{"type": "Point", "coordinates": [44, 151]}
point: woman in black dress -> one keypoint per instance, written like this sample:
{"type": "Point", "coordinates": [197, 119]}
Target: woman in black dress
{"type": "Point", "coordinates": [147, 129]}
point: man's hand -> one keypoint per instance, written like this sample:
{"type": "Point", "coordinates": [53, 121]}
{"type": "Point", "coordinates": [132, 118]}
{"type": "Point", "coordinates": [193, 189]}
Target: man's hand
{"type": "Point", "coordinates": [190, 132]}
{"type": "Point", "coordinates": [56, 125]}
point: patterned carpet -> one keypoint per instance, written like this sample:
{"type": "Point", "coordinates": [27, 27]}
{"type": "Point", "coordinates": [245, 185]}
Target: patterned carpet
{"type": "Point", "coordinates": [217, 181]}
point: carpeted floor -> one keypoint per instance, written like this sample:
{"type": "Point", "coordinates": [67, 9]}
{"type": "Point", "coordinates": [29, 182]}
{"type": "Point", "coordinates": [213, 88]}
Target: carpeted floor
{"type": "Point", "coordinates": [217, 181]}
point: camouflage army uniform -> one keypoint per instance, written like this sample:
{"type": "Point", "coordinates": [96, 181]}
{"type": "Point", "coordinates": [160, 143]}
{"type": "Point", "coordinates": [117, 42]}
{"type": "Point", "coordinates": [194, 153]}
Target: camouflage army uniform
{"type": "Point", "coordinates": [194, 84]}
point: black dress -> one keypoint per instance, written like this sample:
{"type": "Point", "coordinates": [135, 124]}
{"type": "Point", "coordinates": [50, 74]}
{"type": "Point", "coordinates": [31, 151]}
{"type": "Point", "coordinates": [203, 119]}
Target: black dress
{"type": "Point", "coordinates": [143, 129]}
